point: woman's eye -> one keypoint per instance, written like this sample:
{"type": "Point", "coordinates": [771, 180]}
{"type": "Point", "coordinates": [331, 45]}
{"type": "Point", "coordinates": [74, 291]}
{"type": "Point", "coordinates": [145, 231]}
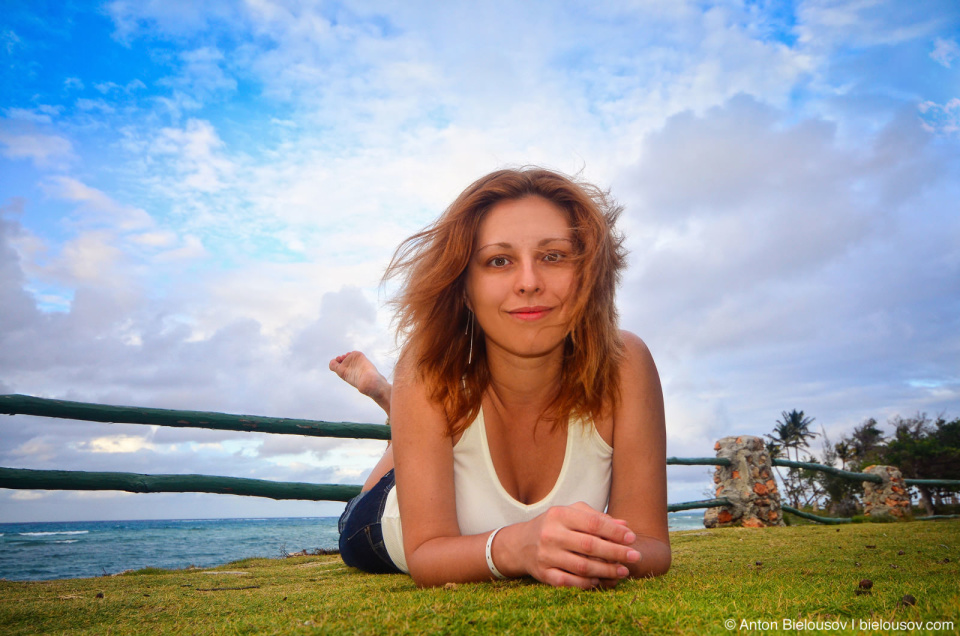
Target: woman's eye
{"type": "Point", "coordinates": [499, 261]}
{"type": "Point", "coordinates": [553, 257]}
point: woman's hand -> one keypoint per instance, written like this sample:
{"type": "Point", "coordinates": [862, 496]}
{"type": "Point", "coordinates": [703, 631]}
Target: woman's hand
{"type": "Point", "coordinates": [573, 546]}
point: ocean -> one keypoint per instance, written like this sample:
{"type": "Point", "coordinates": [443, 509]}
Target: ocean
{"type": "Point", "coordinates": [79, 549]}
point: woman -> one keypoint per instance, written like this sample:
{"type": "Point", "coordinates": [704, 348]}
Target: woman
{"type": "Point", "coordinates": [520, 411]}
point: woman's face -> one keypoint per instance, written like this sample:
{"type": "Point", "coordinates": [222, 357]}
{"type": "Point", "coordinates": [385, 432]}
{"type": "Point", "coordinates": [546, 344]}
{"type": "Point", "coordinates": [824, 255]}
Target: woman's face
{"type": "Point", "coordinates": [521, 276]}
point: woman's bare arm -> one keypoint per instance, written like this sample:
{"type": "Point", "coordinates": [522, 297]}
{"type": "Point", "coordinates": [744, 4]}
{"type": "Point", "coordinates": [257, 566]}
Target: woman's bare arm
{"type": "Point", "coordinates": [638, 494]}
{"type": "Point", "coordinates": [436, 553]}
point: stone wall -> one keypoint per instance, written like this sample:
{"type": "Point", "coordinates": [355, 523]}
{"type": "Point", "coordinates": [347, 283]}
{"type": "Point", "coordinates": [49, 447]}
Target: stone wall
{"type": "Point", "coordinates": [747, 483]}
{"type": "Point", "coordinates": [887, 499]}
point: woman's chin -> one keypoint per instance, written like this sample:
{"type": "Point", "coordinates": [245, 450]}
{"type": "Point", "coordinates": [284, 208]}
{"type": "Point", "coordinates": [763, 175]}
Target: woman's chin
{"type": "Point", "coordinates": [539, 348]}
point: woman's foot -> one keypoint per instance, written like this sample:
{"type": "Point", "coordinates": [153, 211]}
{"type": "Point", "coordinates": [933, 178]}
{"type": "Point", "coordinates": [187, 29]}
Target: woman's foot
{"type": "Point", "coordinates": [356, 370]}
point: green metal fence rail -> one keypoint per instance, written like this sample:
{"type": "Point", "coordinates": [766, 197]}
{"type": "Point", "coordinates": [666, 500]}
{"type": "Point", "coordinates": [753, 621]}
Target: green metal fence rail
{"type": "Point", "coordinates": [812, 517]}
{"type": "Point", "coordinates": [695, 505]}
{"type": "Point", "coordinates": [27, 405]}
{"type": "Point", "coordinates": [698, 461]}
{"type": "Point", "coordinates": [23, 479]}
{"type": "Point", "coordinates": [846, 474]}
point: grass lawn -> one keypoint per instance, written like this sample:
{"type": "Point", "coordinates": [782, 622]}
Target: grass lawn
{"type": "Point", "coordinates": [771, 578]}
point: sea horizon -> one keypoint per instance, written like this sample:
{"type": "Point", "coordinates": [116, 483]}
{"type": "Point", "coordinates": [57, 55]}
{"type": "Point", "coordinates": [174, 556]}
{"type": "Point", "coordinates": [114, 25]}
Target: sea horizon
{"type": "Point", "coordinates": [47, 550]}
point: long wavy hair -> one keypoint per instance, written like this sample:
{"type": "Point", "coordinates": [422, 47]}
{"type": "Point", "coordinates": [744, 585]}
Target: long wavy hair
{"type": "Point", "coordinates": [434, 321]}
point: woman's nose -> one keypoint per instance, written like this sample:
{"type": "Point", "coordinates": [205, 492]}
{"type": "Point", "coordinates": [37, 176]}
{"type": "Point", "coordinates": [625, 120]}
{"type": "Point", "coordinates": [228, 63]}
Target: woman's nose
{"type": "Point", "coordinates": [528, 278]}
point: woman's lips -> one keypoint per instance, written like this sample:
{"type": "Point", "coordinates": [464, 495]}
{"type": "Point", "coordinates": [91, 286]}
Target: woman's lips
{"type": "Point", "coordinates": [530, 313]}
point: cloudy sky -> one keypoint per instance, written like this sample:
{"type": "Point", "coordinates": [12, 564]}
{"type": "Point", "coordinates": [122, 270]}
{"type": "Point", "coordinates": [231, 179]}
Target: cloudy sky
{"type": "Point", "coordinates": [197, 201]}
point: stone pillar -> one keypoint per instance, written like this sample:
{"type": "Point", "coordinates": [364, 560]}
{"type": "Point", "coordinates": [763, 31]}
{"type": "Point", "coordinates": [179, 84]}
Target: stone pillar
{"type": "Point", "coordinates": [748, 483]}
{"type": "Point", "coordinates": [886, 499]}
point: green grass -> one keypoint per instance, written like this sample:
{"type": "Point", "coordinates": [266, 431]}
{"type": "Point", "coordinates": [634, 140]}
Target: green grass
{"type": "Point", "coordinates": [799, 572]}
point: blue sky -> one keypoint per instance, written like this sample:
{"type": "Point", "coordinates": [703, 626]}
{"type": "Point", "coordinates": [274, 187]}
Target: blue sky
{"type": "Point", "coordinates": [197, 201]}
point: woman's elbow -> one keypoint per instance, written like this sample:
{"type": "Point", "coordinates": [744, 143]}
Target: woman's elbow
{"type": "Point", "coordinates": [422, 577]}
{"type": "Point", "coordinates": [655, 561]}
{"type": "Point", "coordinates": [424, 573]}
{"type": "Point", "coordinates": [661, 567]}
{"type": "Point", "coordinates": [423, 582]}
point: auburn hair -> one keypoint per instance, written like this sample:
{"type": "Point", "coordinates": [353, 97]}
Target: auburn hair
{"type": "Point", "coordinates": [434, 321]}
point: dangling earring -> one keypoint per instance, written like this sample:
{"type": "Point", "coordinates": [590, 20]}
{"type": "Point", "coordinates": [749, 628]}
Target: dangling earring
{"type": "Point", "coordinates": [470, 328]}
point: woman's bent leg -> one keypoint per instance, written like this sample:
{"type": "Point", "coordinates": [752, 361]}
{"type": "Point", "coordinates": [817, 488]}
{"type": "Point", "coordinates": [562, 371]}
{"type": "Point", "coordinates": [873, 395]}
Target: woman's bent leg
{"type": "Point", "coordinates": [356, 370]}
{"type": "Point", "coordinates": [361, 534]}
{"type": "Point", "coordinates": [383, 466]}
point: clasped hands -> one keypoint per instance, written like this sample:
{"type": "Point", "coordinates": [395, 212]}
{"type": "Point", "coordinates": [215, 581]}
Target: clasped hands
{"type": "Point", "coordinates": [571, 546]}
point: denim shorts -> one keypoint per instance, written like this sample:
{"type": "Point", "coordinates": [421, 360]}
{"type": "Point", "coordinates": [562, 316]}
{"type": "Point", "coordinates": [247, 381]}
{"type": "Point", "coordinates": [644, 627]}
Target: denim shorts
{"type": "Point", "coordinates": [361, 535]}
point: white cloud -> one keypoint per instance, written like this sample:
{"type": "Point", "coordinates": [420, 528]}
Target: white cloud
{"type": "Point", "coordinates": [775, 267]}
{"type": "Point", "coordinates": [10, 41]}
{"type": "Point", "coordinates": [116, 444]}
{"type": "Point", "coordinates": [202, 75]}
{"type": "Point", "coordinates": [95, 105]}
{"type": "Point", "coordinates": [191, 348]}
{"type": "Point", "coordinates": [114, 245]}
{"type": "Point", "coordinates": [192, 249]}
{"type": "Point", "coordinates": [102, 494]}
{"type": "Point", "coordinates": [177, 105]}
{"type": "Point", "coordinates": [158, 239]}
{"type": "Point", "coordinates": [941, 118]}
{"type": "Point", "coordinates": [91, 258]}
{"type": "Point", "coordinates": [945, 51]}
{"type": "Point", "coordinates": [864, 23]}
{"type": "Point", "coordinates": [42, 149]}
{"type": "Point", "coordinates": [37, 448]}
{"type": "Point", "coordinates": [97, 203]}
{"type": "Point", "coordinates": [106, 87]}
{"type": "Point", "coordinates": [29, 495]}
{"type": "Point", "coordinates": [196, 151]}
{"type": "Point", "coordinates": [31, 134]}
{"type": "Point", "coordinates": [170, 17]}
{"type": "Point", "coordinates": [37, 116]}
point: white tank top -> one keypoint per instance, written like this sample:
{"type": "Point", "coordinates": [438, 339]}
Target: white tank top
{"type": "Point", "coordinates": [482, 502]}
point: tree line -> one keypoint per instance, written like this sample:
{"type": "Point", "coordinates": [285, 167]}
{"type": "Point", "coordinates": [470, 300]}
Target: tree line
{"type": "Point", "coordinates": [922, 448]}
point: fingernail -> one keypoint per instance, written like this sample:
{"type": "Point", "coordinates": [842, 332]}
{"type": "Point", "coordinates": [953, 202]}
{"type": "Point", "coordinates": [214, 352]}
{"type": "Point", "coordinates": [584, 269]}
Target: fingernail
{"type": "Point", "coordinates": [622, 572]}
{"type": "Point", "coordinates": [633, 555]}
{"type": "Point", "coordinates": [630, 537]}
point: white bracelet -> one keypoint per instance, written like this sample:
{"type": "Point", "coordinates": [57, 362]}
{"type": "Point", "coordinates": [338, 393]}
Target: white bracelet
{"type": "Point", "coordinates": [493, 569]}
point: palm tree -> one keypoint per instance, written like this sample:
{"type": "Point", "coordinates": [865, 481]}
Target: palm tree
{"type": "Point", "coordinates": [773, 448]}
{"type": "Point", "coordinates": [866, 438]}
{"type": "Point", "coordinates": [794, 431]}
{"type": "Point", "coordinates": [845, 452]}
{"type": "Point", "coordinates": [782, 438]}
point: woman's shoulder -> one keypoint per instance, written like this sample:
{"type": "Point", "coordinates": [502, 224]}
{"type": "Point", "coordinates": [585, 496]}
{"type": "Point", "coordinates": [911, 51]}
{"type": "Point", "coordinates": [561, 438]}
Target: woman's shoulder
{"type": "Point", "coordinates": [639, 379]}
{"type": "Point", "coordinates": [411, 395]}
{"type": "Point", "coordinates": [409, 370]}
{"type": "Point", "coordinates": [406, 366]}
{"type": "Point", "coordinates": [636, 352]}
{"type": "Point", "coordinates": [633, 376]}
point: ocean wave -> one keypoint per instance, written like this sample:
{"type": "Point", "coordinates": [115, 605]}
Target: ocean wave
{"type": "Point", "coordinates": [67, 541]}
{"type": "Point", "coordinates": [47, 534]}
